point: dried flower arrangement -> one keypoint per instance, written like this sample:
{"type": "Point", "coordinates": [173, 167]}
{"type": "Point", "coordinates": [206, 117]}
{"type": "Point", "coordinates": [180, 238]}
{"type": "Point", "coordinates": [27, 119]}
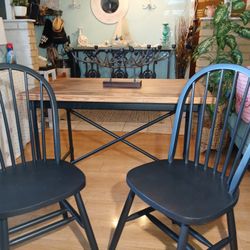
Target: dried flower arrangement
{"type": "Point", "coordinates": [182, 52]}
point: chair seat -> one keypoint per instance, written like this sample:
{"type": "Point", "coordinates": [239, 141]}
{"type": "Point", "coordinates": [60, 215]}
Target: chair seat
{"type": "Point", "coordinates": [25, 188]}
{"type": "Point", "coordinates": [185, 193]}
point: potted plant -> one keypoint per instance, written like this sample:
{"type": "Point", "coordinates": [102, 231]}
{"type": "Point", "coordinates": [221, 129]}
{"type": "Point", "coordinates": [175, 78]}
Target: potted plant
{"type": "Point", "coordinates": [222, 47]}
{"type": "Point", "coordinates": [20, 7]}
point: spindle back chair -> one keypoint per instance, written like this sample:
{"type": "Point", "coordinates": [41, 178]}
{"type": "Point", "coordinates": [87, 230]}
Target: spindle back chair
{"type": "Point", "coordinates": [32, 174]}
{"type": "Point", "coordinates": [201, 186]}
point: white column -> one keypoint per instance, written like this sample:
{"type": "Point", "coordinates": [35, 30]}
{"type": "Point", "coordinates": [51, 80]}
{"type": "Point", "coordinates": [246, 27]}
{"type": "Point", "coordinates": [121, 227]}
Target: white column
{"type": "Point", "coordinates": [9, 10]}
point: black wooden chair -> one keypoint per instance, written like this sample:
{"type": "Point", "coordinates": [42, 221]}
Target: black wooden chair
{"type": "Point", "coordinates": [199, 187]}
{"type": "Point", "coordinates": [32, 173]}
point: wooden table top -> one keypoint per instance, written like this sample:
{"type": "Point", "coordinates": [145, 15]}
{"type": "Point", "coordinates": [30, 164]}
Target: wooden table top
{"type": "Point", "coordinates": [161, 91]}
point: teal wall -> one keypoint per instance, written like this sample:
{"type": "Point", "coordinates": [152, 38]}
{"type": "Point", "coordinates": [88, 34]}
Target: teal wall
{"type": "Point", "coordinates": [144, 25]}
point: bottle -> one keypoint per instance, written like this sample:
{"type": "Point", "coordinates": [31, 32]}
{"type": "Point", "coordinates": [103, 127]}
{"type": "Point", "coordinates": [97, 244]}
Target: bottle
{"type": "Point", "coordinates": [10, 57]}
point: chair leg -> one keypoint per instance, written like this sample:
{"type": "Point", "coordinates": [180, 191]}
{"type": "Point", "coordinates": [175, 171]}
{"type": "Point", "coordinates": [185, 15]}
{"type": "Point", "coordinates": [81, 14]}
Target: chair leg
{"type": "Point", "coordinates": [4, 240]}
{"type": "Point", "coordinates": [122, 220]}
{"type": "Point", "coordinates": [232, 230]}
{"type": "Point", "coordinates": [65, 214]}
{"type": "Point", "coordinates": [86, 222]}
{"type": "Point", "coordinates": [183, 238]}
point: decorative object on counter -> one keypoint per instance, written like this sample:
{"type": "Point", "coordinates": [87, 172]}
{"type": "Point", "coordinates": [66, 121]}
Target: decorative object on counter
{"type": "Point", "coordinates": [20, 7]}
{"type": "Point", "coordinates": [149, 5]}
{"type": "Point", "coordinates": [82, 40]}
{"type": "Point", "coordinates": [3, 41]}
{"type": "Point", "coordinates": [122, 84]}
{"type": "Point", "coordinates": [119, 60]}
{"type": "Point", "coordinates": [109, 11]}
{"type": "Point", "coordinates": [165, 34]}
{"type": "Point", "coordinates": [130, 57]}
{"type": "Point", "coordinates": [122, 35]}
{"type": "Point", "coordinates": [209, 11]}
{"type": "Point", "coordinates": [10, 56]}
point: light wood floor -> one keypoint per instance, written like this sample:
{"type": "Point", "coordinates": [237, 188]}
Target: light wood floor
{"type": "Point", "coordinates": [105, 194]}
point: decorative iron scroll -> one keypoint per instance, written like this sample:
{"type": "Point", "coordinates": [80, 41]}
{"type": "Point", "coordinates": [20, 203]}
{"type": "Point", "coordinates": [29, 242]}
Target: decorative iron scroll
{"type": "Point", "coordinates": [118, 60]}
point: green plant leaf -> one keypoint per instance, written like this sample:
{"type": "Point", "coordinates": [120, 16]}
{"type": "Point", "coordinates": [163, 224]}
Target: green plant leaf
{"type": "Point", "coordinates": [20, 3]}
{"type": "Point", "coordinates": [221, 13]}
{"type": "Point", "coordinates": [246, 13]}
{"type": "Point", "coordinates": [222, 30]}
{"type": "Point", "coordinates": [237, 56]}
{"type": "Point", "coordinates": [235, 27]}
{"type": "Point", "coordinates": [221, 42]}
{"type": "Point", "coordinates": [243, 32]}
{"type": "Point", "coordinates": [231, 41]}
{"type": "Point", "coordinates": [238, 5]}
{"type": "Point", "coordinates": [224, 59]}
{"type": "Point", "coordinates": [203, 47]}
{"type": "Point", "coordinates": [245, 17]}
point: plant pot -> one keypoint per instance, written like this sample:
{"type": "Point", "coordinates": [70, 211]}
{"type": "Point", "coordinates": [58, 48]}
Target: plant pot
{"type": "Point", "coordinates": [20, 11]}
{"type": "Point", "coordinates": [217, 130]}
{"type": "Point", "coordinates": [209, 11]}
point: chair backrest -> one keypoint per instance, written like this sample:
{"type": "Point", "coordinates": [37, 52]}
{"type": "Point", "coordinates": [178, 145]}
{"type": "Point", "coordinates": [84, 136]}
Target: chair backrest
{"type": "Point", "coordinates": [210, 121]}
{"type": "Point", "coordinates": [19, 140]}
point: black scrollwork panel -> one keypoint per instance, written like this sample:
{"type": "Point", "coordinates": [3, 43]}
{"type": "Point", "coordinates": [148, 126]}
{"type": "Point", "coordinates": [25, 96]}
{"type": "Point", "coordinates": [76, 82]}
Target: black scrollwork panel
{"type": "Point", "coordinates": [126, 62]}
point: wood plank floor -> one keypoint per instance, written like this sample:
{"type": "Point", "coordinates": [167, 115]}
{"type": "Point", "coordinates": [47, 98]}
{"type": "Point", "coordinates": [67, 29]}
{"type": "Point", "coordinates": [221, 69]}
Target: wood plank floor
{"type": "Point", "coordinates": [106, 191]}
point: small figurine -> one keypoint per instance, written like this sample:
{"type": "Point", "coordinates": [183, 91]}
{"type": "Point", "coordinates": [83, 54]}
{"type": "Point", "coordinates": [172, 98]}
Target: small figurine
{"type": "Point", "coordinates": [82, 40]}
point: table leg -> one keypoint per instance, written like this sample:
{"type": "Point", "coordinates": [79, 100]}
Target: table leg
{"type": "Point", "coordinates": [70, 137]}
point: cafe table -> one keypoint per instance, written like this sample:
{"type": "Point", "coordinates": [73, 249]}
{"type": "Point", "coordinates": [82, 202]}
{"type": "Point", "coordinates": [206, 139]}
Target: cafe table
{"type": "Point", "coordinates": [89, 93]}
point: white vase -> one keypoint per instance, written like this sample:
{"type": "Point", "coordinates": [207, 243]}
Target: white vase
{"type": "Point", "coordinates": [20, 11]}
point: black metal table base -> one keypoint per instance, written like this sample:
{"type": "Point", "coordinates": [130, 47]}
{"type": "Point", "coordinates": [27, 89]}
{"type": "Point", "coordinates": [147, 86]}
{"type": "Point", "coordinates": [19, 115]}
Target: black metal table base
{"type": "Point", "coordinates": [70, 107]}
{"type": "Point", "coordinates": [117, 137]}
